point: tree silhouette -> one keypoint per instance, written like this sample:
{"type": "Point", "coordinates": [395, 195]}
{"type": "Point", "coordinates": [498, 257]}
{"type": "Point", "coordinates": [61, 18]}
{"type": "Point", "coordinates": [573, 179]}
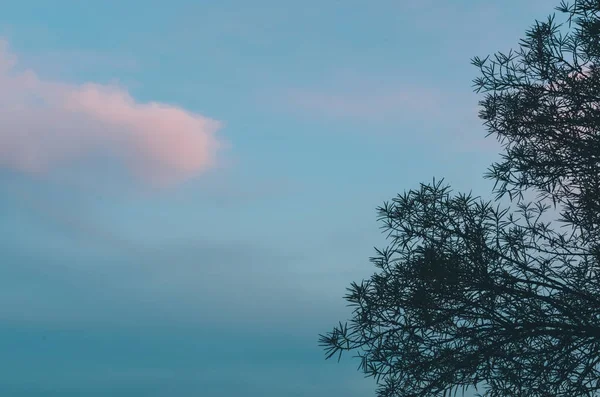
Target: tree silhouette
{"type": "Point", "coordinates": [471, 294]}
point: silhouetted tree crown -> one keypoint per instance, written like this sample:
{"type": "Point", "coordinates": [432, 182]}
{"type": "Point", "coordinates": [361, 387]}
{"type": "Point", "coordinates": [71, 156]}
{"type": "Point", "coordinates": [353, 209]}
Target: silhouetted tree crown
{"type": "Point", "coordinates": [470, 294]}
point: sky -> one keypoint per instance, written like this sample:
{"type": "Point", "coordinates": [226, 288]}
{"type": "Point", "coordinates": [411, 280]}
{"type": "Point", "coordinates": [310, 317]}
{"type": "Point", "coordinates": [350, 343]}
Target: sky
{"type": "Point", "coordinates": [187, 188]}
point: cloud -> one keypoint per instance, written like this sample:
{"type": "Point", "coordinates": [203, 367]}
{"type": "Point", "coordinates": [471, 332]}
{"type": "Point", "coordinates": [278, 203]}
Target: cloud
{"type": "Point", "coordinates": [349, 95]}
{"type": "Point", "coordinates": [364, 105]}
{"type": "Point", "coordinates": [46, 124]}
{"type": "Point", "coordinates": [61, 61]}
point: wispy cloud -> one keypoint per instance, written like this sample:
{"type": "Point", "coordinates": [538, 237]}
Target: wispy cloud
{"type": "Point", "coordinates": [366, 105]}
{"type": "Point", "coordinates": [69, 59]}
{"type": "Point", "coordinates": [44, 124]}
{"type": "Point", "coordinates": [358, 98]}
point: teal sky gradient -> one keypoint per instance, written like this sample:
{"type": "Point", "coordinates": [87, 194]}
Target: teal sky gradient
{"type": "Point", "coordinates": [218, 283]}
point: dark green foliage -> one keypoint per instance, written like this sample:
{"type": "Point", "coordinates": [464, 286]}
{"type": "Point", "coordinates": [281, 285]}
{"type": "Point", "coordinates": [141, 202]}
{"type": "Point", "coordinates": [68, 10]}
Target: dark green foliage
{"type": "Point", "coordinates": [543, 103]}
{"type": "Point", "coordinates": [469, 294]}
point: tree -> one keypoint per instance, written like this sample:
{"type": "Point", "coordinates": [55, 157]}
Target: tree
{"type": "Point", "coordinates": [471, 294]}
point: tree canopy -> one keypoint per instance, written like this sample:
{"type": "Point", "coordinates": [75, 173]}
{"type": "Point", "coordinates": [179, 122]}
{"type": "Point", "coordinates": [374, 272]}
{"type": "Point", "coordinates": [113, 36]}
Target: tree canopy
{"type": "Point", "coordinates": [471, 294]}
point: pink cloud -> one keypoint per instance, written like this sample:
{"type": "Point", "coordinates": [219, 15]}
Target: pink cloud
{"type": "Point", "coordinates": [443, 116]}
{"type": "Point", "coordinates": [355, 96]}
{"type": "Point", "coordinates": [45, 124]}
{"type": "Point", "coordinates": [364, 104]}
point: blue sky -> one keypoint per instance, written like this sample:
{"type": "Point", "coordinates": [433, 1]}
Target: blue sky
{"type": "Point", "coordinates": [188, 187]}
